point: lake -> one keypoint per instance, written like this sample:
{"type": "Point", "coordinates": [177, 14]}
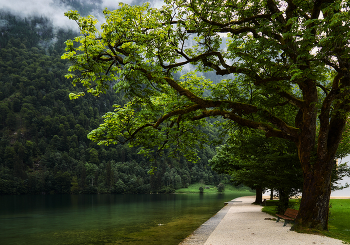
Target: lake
{"type": "Point", "coordinates": [105, 219]}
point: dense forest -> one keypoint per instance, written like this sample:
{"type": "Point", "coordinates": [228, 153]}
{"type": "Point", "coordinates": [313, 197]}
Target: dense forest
{"type": "Point", "coordinates": [43, 142]}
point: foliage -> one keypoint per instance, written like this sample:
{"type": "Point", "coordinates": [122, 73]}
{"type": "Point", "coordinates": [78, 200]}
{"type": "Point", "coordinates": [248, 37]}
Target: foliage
{"type": "Point", "coordinates": [212, 189]}
{"type": "Point", "coordinates": [290, 61]}
{"type": "Point", "coordinates": [339, 220]}
{"type": "Point", "coordinates": [261, 163]}
{"type": "Point", "coordinates": [253, 160]}
{"type": "Point", "coordinates": [43, 143]}
{"type": "Point", "coordinates": [221, 187]}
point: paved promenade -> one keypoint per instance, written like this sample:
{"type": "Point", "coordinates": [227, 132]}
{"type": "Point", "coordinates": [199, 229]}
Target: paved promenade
{"type": "Point", "coordinates": [241, 223]}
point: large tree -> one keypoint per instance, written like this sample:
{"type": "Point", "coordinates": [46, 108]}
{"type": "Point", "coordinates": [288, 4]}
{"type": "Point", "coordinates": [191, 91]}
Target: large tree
{"type": "Point", "coordinates": [285, 58]}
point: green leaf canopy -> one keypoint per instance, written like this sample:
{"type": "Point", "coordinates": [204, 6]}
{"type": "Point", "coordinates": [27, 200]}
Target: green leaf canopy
{"type": "Point", "coordinates": [290, 60]}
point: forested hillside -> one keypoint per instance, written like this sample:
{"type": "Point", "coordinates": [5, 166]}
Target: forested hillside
{"type": "Point", "coordinates": [43, 146]}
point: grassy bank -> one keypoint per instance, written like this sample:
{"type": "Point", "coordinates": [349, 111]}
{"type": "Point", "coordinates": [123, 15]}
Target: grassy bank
{"type": "Point", "coordinates": [194, 188]}
{"type": "Point", "coordinates": [339, 217]}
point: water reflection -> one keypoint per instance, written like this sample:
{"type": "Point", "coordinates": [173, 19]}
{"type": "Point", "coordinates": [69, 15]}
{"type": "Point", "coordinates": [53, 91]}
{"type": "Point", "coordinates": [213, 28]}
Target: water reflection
{"type": "Point", "coordinates": [81, 219]}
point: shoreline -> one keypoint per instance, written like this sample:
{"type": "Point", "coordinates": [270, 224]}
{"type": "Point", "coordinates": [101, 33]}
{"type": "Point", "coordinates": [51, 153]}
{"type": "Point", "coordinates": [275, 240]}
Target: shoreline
{"type": "Point", "coordinates": [203, 232]}
{"type": "Point", "coordinates": [241, 222]}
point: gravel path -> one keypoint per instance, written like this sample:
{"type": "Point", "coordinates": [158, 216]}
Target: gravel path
{"type": "Point", "coordinates": [241, 223]}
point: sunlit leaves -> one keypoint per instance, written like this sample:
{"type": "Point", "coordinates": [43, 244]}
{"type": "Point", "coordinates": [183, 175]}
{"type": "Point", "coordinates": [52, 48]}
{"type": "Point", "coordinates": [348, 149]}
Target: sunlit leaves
{"type": "Point", "coordinates": [272, 54]}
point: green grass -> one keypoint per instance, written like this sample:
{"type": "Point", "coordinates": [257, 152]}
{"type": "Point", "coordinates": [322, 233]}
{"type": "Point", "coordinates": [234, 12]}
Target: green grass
{"type": "Point", "coordinates": [271, 206]}
{"type": "Point", "coordinates": [339, 217]}
{"type": "Point", "coordinates": [194, 188]}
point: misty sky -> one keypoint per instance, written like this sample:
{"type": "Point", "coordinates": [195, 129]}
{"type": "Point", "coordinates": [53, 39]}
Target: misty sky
{"type": "Point", "coordinates": [54, 9]}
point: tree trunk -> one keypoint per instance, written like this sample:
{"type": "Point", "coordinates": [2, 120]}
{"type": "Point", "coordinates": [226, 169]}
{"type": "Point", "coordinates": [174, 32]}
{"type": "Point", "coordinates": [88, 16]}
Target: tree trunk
{"type": "Point", "coordinates": [271, 194]}
{"type": "Point", "coordinates": [283, 200]}
{"type": "Point", "coordinates": [258, 195]}
{"type": "Point", "coordinates": [317, 165]}
{"type": "Point", "coordinates": [316, 154]}
{"type": "Point", "coordinates": [314, 206]}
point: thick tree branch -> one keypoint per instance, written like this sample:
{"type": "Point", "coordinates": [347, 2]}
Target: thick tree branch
{"type": "Point", "coordinates": [229, 69]}
{"type": "Point", "coordinates": [317, 9]}
{"type": "Point", "coordinates": [295, 101]}
{"type": "Point", "coordinates": [329, 63]}
{"type": "Point", "coordinates": [176, 112]}
{"type": "Point", "coordinates": [234, 31]}
{"type": "Point", "coordinates": [274, 10]}
{"type": "Point", "coordinates": [133, 135]}
{"type": "Point", "coordinates": [236, 22]}
{"type": "Point", "coordinates": [323, 88]}
{"type": "Point", "coordinates": [270, 131]}
{"type": "Point", "coordinates": [236, 107]}
{"type": "Point", "coordinates": [290, 10]}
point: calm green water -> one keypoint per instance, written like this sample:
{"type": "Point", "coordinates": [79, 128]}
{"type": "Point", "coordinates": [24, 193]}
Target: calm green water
{"type": "Point", "coordinates": [105, 219]}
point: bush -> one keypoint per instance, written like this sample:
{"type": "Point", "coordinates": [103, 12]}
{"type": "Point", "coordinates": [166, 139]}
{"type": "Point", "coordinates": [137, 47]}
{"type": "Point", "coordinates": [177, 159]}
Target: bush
{"type": "Point", "coordinates": [221, 187]}
{"type": "Point", "coordinates": [201, 189]}
{"type": "Point", "coordinates": [166, 190]}
{"type": "Point", "coordinates": [120, 187]}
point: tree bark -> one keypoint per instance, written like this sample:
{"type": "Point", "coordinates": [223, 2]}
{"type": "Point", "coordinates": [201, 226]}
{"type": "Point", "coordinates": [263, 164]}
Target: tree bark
{"type": "Point", "coordinates": [317, 163]}
{"type": "Point", "coordinates": [271, 194]}
{"type": "Point", "coordinates": [258, 195]}
{"type": "Point", "coordinates": [314, 206]}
